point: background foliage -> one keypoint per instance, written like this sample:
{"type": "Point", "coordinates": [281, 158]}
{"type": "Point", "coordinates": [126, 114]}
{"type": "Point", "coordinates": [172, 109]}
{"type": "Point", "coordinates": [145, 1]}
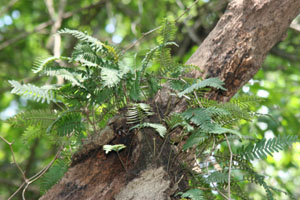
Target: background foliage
{"type": "Point", "coordinates": [25, 34]}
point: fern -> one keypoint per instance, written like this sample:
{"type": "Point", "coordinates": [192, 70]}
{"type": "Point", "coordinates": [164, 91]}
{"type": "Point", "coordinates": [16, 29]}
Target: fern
{"type": "Point", "coordinates": [110, 77]}
{"type": "Point", "coordinates": [200, 117]}
{"type": "Point", "coordinates": [95, 43]}
{"type": "Point", "coordinates": [87, 63]}
{"type": "Point", "coordinates": [211, 82]}
{"type": "Point", "coordinates": [40, 64]}
{"type": "Point", "coordinates": [160, 129]}
{"type": "Point", "coordinates": [67, 123]}
{"type": "Point", "coordinates": [265, 147]}
{"type": "Point", "coordinates": [194, 194]}
{"type": "Point", "coordinates": [163, 55]}
{"type": "Point", "coordinates": [245, 101]}
{"type": "Point", "coordinates": [38, 94]}
{"type": "Point", "coordinates": [138, 112]}
{"type": "Point", "coordinates": [259, 179]}
{"type": "Point", "coordinates": [52, 177]}
{"type": "Point", "coordinates": [37, 118]}
{"type": "Point", "coordinates": [217, 177]}
{"type": "Point", "coordinates": [196, 138]}
{"type": "Point", "coordinates": [74, 76]}
{"type": "Point", "coordinates": [85, 51]}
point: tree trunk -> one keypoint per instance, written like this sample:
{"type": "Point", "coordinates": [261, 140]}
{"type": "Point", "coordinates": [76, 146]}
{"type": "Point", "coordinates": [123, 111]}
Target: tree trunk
{"type": "Point", "coordinates": [148, 169]}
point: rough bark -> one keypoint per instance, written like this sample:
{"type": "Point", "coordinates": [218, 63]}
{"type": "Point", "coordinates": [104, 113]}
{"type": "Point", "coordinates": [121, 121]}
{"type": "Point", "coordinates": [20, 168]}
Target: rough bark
{"type": "Point", "coordinates": [237, 46]}
{"type": "Point", "coordinates": [233, 51]}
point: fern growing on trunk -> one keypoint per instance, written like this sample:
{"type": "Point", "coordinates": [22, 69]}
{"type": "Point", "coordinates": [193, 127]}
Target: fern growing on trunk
{"type": "Point", "coordinates": [97, 86]}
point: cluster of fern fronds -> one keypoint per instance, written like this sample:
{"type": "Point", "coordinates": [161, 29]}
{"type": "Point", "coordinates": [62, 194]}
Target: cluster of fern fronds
{"type": "Point", "coordinates": [97, 83]}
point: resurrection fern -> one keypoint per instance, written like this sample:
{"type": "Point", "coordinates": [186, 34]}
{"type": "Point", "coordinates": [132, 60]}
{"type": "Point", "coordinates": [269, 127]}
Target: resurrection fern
{"type": "Point", "coordinates": [98, 85]}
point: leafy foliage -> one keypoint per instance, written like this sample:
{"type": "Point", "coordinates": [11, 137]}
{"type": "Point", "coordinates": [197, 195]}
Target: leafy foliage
{"type": "Point", "coordinates": [158, 127]}
{"type": "Point", "coordinates": [210, 82]}
{"type": "Point", "coordinates": [264, 147]}
{"type": "Point", "coordinates": [98, 85]}
{"type": "Point", "coordinates": [39, 94]}
{"type": "Point", "coordinates": [53, 176]}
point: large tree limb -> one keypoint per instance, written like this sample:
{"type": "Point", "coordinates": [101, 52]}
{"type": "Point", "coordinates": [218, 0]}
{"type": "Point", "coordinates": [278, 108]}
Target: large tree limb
{"type": "Point", "coordinates": [237, 46]}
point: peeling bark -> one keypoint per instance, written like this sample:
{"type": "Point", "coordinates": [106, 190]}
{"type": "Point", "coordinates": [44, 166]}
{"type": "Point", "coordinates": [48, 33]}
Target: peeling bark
{"type": "Point", "coordinates": [233, 51]}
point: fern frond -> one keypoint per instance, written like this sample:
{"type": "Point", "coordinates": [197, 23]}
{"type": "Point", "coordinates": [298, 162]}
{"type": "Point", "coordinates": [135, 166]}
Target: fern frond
{"type": "Point", "coordinates": [69, 123]}
{"type": "Point", "coordinates": [196, 138]}
{"type": "Point", "coordinates": [176, 120]}
{"type": "Point", "coordinates": [85, 50]}
{"type": "Point", "coordinates": [95, 43]}
{"type": "Point", "coordinates": [74, 76]}
{"type": "Point", "coordinates": [259, 179]}
{"type": "Point", "coordinates": [54, 174]}
{"type": "Point", "coordinates": [158, 127]}
{"type": "Point", "coordinates": [217, 177]}
{"type": "Point", "coordinates": [110, 77]}
{"type": "Point", "coordinates": [194, 194]}
{"type": "Point", "coordinates": [166, 32]}
{"type": "Point", "coordinates": [210, 82]}
{"type": "Point", "coordinates": [38, 118]}
{"type": "Point", "coordinates": [138, 112]}
{"type": "Point", "coordinates": [265, 147]}
{"type": "Point", "coordinates": [38, 94]}
{"type": "Point", "coordinates": [85, 62]}
{"type": "Point", "coordinates": [217, 112]}
{"type": "Point", "coordinates": [245, 101]}
{"type": "Point", "coordinates": [150, 55]}
{"type": "Point", "coordinates": [163, 55]}
{"type": "Point", "coordinates": [40, 64]}
{"type": "Point", "coordinates": [200, 117]}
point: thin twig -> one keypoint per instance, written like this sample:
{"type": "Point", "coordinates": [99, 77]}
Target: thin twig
{"type": "Point", "coordinates": [14, 158]}
{"type": "Point", "coordinates": [157, 28]}
{"type": "Point", "coordinates": [16, 192]}
{"type": "Point", "coordinates": [121, 162]}
{"type": "Point", "coordinates": [35, 177]}
{"type": "Point", "coordinates": [44, 25]}
{"type": "Point", "coordinates": [5, 9]}
{"type": "Point", "coordinates": [230, 164]}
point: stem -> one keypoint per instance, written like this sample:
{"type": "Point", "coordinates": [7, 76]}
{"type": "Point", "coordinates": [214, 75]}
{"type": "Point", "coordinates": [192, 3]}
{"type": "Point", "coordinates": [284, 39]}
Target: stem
{"type": "Point", "coordinates": [230, 164]}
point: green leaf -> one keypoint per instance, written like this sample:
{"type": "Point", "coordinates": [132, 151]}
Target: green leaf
{"type": "Point", "coordinates": [210, 82]}
{"type": "Point", "coordinates": [194, 194]}
{"type": "Point", "coordinates": [95, 43]}
{"type": "Point", "coordinates": [220, 130]}
{"type": "Point", "coordinates": [40, 64]}
{"type": "Point", "coordinates": [110, 77]}
{"type": "Point", "coordinates": [117, 147]}
{"type": "Point", "coordinates": [53, 176]}
{"type": "Point", "coordinates": [265, 147]}
{"type": "Point", "coordinates": [195, 139]}
{"type": "Point", "coordinates": [200, 117]}
{"type": "Point", "coordinates": [158, 127]}
{"type": "Point", "coordinates": [38, 94]}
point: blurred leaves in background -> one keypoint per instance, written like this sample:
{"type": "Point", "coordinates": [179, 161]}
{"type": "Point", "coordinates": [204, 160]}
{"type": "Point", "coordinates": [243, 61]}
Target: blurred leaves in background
{"type": "Point", "coordinates": [26, 35]}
